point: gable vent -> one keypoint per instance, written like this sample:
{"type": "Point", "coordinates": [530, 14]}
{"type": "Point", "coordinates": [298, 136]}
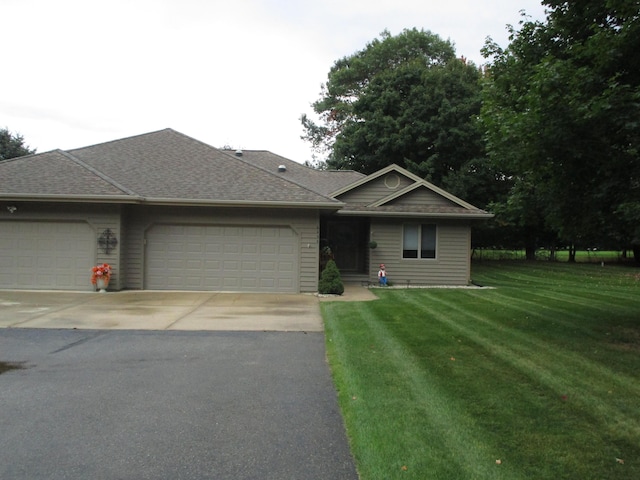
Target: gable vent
{"type": "Point", "coordinates": [282, 168]}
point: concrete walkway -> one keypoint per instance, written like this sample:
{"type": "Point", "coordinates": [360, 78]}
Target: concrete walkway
{"type": "Point", "coordinates": [154, 310]}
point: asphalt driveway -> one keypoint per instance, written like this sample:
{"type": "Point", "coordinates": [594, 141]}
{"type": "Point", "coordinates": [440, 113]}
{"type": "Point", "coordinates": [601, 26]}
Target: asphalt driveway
{"type": "Point", "coordinates": [168, 385]}
{"type": "Point", "coordinates": [115, 404]}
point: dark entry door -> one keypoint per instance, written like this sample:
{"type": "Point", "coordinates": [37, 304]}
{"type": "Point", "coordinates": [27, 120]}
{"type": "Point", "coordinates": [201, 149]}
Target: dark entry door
{"type": "Point", "coordinates": [347, 240]}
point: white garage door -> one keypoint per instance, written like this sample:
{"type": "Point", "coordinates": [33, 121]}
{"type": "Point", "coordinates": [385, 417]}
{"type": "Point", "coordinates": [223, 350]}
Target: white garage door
{"type": "Point", "coordinates": [221, 258]}
{"type": "Point", "coordinates": [46, 255]}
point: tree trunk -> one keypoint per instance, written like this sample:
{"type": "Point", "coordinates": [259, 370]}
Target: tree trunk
{"type": "Point", "coordinates": [530, 252]}
{"type": "Point", "coordinates": [572, 253]}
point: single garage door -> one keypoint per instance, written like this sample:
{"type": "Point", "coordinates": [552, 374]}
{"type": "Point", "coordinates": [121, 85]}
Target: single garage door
{"type": "Point", "coordinates": [221, 258]}
{"type": "Point", "coordinates": [46, 255]}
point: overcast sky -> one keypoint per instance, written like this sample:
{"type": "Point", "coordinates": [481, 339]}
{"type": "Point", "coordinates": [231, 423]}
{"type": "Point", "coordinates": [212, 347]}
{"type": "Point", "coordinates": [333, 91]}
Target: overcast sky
{"type": "Point", "coordinates": [239, 73]}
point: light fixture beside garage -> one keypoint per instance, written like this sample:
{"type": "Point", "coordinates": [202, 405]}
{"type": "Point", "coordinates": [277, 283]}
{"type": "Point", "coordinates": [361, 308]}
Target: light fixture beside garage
{"type": "Point", "coordinates": [107, 241]}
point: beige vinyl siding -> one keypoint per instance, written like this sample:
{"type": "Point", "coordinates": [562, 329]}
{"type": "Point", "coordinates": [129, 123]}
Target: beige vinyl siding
{"type": "Point", "coordinates": [97, 216]}
{"type": "Point", "coordinates": [135, 224]}
{"type": "Point", "coordinates": [450, 267]}
{"type": "Point", "coordinates": [307, 227]}
{"type": "Point", "coordinates": [303, 223]}
{"type": "Point", "coordinates": [422, 196]}
{"type": "Point", "coordinates": [114, 256]}
{"type": "Point", "coordinates": [376, 189]}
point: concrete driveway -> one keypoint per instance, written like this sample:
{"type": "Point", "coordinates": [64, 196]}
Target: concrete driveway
{"type": "Point", "coordinates": [149, 310]}
{"type": "Point", "coordinates": [154, 310]}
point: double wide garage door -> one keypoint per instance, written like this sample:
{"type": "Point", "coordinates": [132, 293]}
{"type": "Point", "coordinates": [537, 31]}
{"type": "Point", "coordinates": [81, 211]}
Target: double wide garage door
{"type": "Point", "coordinates": [221, 258]}
{"type": "Point", "coordinates": [46, 255]}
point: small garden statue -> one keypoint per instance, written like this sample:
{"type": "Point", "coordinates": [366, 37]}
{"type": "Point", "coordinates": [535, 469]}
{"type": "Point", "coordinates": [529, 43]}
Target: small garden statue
{"type": "Point", "coordinates": [382, 276]}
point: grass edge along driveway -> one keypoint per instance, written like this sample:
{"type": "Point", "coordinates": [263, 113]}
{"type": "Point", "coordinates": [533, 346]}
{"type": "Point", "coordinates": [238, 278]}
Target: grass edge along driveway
{"type": "Point", "coordinates": [537, 378]}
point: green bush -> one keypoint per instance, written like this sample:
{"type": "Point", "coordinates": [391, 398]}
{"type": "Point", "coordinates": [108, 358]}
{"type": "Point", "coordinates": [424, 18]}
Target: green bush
{"type": "Point", "coordinates": [330, 281]}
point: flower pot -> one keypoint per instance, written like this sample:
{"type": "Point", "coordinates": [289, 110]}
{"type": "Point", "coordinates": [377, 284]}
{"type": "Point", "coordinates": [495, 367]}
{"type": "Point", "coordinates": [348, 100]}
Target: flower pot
{"type": "Point", "coordinates": [102, 284]}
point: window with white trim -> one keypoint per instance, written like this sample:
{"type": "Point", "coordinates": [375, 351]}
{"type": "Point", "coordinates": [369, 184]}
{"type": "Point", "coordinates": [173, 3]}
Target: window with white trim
{"type": "Point", "coordinates": [419, 241]}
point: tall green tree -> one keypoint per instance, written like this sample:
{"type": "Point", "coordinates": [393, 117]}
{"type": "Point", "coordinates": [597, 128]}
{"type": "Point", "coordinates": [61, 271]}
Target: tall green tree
{"type": "Point", "coordinates": [350, 76]}
{"type": "Point", "coordinates": [561, 112]}
{"type": "Point", "coordinates": [12, 145]}
{"type": "Point", "coordinates": [403, 99]}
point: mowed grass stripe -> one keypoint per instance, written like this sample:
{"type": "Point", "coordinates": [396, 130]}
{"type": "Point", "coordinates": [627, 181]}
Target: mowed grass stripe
{"type": "Point", "coordinates": [543, 313]}
{"type": "Point", "coordinates": [587, 384]}
{"type": "Point", "coordinates": [514, 413]}
{"type": "Point", "coordinates": [415, 401]}
{"type": "Point", "coordinates": [601, 301]}
{"type": "Point", "coordinates": [538, 388]}
{"type": "Point", "coordinates": [540, 373]}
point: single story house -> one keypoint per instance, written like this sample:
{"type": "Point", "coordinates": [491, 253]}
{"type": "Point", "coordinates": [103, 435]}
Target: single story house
{"type": "Point", "coordinates": [169, 212]}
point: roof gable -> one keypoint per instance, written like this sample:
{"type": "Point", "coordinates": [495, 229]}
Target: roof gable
{"type": "Point", "coordinates": [401, 172]}
{"type": "Point", "coordinates": [416, 194]}
{"type": "Point", "coordinates": [395, 191]}
{"type": "Point", "coordinates": [373, 191]}
{"type": "Point", "coordinates": [398, 182]}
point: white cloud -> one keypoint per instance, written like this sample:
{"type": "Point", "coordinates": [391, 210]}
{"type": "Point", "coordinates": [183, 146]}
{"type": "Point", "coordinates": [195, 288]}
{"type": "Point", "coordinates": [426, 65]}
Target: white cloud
{"type": "Point", "coordinates": [238, 73]}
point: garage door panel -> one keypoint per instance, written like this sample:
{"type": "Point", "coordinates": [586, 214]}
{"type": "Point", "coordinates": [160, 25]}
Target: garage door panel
{"type": "Point", "coordinates": [268, 266]}
{"type": "Point", "coordinates": [195, 248]}
{"type": "Point", "coordinates": [285, 249]}
{"type": "Point", "coordinates": [285, 267]}
{"type": "Point", "coordinates": [46, 255]}
{"type": "Point", "coordinates": [213, 247]}
{"type": "Point", "coordinates": [232, 248]}
{"type": "Point", "coordinates": [250, 249]}
{"type": "Point", "coordinates": [284, 285]}
{"type": "Point", "coordinates": [250, 266]}
{"type": "Point", "coordinates": [212, 265]}
{"type": "Point", "coordinates": [268, 249]}
{"type": "Point", "coordinates": [238, 258]}
{"type": "Point", "coordinates": [213, 283]}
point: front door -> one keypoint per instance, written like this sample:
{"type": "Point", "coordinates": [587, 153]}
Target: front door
{"type": "Point", "coordinates": [347, 241]}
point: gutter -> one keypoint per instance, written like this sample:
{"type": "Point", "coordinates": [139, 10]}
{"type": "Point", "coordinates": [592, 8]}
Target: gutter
{"type": "Point", "coordinates": [139, 200]}
{"type": "Point", "coordinates": [458, 216]}
{"type": "Point", "coordinates": [71, 198]}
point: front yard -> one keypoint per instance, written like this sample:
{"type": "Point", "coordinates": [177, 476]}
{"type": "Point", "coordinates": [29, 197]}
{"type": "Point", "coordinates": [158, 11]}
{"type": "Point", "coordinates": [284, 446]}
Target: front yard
{"type": "Point", "coordinates": [538, 377]}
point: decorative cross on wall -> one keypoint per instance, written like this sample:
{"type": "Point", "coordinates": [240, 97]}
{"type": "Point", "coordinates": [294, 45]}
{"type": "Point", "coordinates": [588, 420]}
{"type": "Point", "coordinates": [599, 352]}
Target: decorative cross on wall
{"type": "Point", "coordinates": [107, 241]}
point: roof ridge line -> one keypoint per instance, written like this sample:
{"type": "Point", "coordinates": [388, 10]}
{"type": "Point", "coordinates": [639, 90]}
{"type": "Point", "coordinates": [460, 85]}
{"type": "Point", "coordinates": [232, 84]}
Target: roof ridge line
{"type": "Point", "coordinates": [130, 137]}
{"type": "Point", "coordinates": [266, 170]}
{"type": "Point", "coordinates": [246, 162]}
{"type": "Point", "coordinates": [97, 172]}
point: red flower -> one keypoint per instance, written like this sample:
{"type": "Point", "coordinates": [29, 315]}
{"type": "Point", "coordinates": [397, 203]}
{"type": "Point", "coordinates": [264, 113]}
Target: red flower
{"type": "Point", "coordinates": [101, 271]}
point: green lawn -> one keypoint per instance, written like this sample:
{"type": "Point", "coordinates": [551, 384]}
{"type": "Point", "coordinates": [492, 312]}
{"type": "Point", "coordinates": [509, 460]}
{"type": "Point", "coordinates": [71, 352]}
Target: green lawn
{"type": "Point", "coordinates": [582, 256]}
{"type": "Point", "coordinates": [537, 378]}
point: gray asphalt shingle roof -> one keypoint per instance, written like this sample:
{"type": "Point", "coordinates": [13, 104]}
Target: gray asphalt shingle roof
{"type": "Point", "coordinates": [421, 210]}
{"type": "Point", "coordinates": [167, 167]}
{"type": "Point", "coordinates": [164, 165]}
{"type": "Point", "coordinates": [322, 181]}
{"type": "Point", "coordinates": [52, 173]}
